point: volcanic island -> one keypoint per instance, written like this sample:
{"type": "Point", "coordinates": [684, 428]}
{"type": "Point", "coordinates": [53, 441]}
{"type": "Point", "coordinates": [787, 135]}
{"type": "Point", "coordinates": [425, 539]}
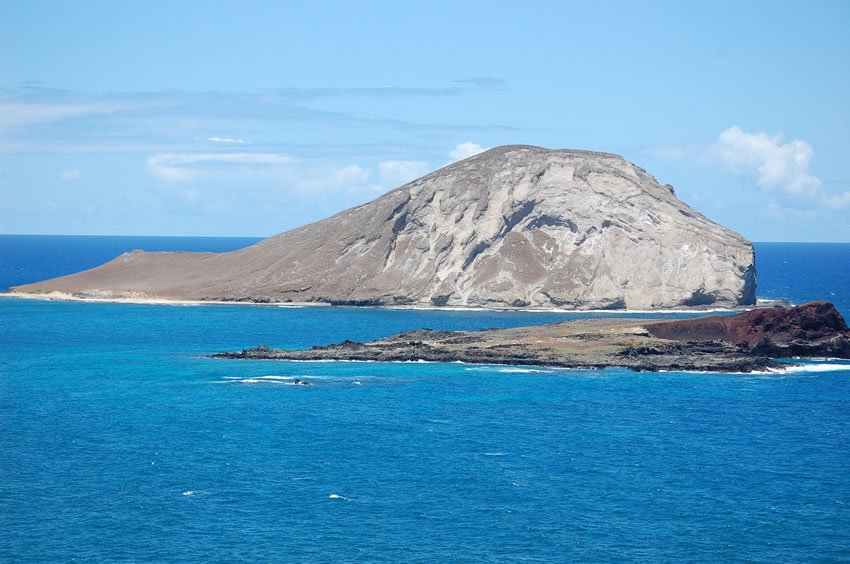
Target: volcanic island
{"type": "Point", "coordinates": [515, 227]}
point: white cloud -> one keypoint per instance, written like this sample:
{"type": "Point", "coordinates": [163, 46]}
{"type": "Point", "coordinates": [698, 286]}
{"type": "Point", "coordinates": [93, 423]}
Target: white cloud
{"type": "Point", "coordinates": [71, 174]}
{"type": "Point", "coordinates": [776, 165]}
{"type": "Point", "coordinates": [465, 150]}
{"type": "Point", "coordinates": [226, 140]}
{"type": "Point", "coordinates": [178, 167]}
{"type": "Point", "coordinates": [839, 202]}
{"type": "Point", "coordinates": [14, 115]}
{"type": "Point", "coordinates": [398, 173]}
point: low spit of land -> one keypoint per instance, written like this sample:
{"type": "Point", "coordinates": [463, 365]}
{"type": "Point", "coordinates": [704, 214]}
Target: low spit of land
{"type": "Point", "coordinates": [744, 342]}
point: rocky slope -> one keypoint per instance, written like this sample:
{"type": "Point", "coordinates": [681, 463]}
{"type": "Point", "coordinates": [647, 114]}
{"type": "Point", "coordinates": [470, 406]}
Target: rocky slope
{"type": "Point", "coordinates": [514, 226]}
{"type": "Point", "coordinates": [812, 329]}
{"type": "Point", "coordinates": [738, 343]}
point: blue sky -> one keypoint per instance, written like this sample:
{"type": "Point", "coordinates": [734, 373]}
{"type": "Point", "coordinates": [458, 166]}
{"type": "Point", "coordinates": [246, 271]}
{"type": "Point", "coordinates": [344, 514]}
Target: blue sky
{"type": "Point", "coordinates": [250, 118]}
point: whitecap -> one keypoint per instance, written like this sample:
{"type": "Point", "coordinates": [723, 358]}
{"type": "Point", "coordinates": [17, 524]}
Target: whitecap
{"type": "Point", "coordinates": [262, 381]}
{"type": "Point", "coordinates": [188, 493]}
{"type": "Point", "coordinates": [242, 378]}
{"type": "Point", "coordinates": [501, 368]}
{"type": "Point", "coordinates": [337, 496]}
{"type": "Point", "coordinates": [497, 453]}
{"type": "Point", "coordinates": [323, 360]}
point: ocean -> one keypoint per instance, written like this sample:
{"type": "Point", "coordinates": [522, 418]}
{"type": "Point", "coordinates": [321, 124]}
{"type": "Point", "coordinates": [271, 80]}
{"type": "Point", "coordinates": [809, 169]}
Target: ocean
{"type": "Point", "coordinates": [120, 440]}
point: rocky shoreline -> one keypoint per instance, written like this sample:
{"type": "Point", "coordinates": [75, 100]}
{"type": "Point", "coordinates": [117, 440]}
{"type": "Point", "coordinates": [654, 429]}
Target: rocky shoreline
{"type": "Point", "coordinates": [744, 342]}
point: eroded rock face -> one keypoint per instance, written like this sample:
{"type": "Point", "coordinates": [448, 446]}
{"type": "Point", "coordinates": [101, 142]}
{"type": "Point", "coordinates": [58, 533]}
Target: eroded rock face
{"type": "Point", "coordinates": [514, 226]}
{"type": "Point", "coordinates": [812, 329]}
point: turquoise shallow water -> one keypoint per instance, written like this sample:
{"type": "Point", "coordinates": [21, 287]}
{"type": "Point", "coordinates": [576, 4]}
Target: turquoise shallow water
{"type": "Point", "coordinates": [120, 441]}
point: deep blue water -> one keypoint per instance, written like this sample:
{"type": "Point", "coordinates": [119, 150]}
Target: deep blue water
{"type": "Point", "coordinates": [119, 441]}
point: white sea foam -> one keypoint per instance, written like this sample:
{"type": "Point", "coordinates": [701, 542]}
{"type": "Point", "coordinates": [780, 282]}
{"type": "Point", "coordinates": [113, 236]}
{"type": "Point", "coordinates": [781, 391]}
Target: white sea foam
{"type": "Point", "coordinates": [337, 496]}
{"type": "Point", "coordinates": [62, 296]}
{"type": "Point", "coordinates": [820, 359]}
{"type": "Point", "coordinates": [273, 381]}
{"type": "Point", "coordinates": [188, 493]}
{"type": "Point", "coordinates": [497, 453]}
{"type": "Point", "coordinates": [291, 380]}
{"type": "Point", "coordinates": [819, 367]}
{"type": "Point", "coordinates": [561, 310]}
{"type": "Point", "coordinates": [139, 299]}
{"type": "Point", "coordinates": [770, 372]}
{"type": "Point", "coordinates": [241, 378]}
{"type": "Point", "coordinates": [507, 369]}
{"type": "Point", "coordinates": [324, 360]}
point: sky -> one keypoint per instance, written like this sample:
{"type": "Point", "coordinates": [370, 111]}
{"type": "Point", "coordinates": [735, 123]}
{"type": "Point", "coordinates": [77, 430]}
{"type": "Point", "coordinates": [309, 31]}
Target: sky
{"type": "Point", "coordinates": [250, 118]}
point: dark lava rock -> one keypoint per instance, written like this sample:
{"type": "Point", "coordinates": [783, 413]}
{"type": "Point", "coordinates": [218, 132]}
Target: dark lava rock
{"type": "Point", "coordinates": [812, 323]}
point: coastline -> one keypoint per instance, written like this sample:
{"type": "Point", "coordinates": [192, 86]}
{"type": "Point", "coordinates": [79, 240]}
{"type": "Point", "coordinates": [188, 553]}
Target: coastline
{"type": "Point", "coordinates": [782, 367]}
{"type": "Point", "coordinates": [66, 297]}
{"type": "Point", "coordinates": [56, 296]}
{"type": "Point", "coordinates": [745, 342]}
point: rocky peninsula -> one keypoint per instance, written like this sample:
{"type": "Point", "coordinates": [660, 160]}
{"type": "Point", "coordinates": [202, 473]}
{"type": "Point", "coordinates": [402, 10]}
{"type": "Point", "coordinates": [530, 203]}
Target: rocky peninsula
{"type": "Point", "coordinates": [515, 226]}
{"type": "Point", "coordinates": [743, 342]}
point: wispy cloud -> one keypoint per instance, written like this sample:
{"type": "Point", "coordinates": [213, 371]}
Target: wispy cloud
{"type": "Point", "coordinates": [333, 179]}
{"type": "Point", "coordinates": [71, 174]}
{"type": "Point", "coordinates": [226, 140]}
{"type": "Point", "coordinates": [465, 150]}
{"type": "Point", "coordinates": [458, 87]}
{"type": "Point", "coordinates": [484, 83]}
{"type": "Point", "coordinates": [838, 202]}
{"type": "Point", "coordinates": [41, 119]}
{"type": "Point", "coordinates": [204, 178]}
{"type": "Point", "coordinates": [396, 173]}
{"type": "Point", "coordinates": [16, 115]}
{"type": "Point", "coordinates": [178, 167]}
{"type": "Point", "coordinates": [785, 213]}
